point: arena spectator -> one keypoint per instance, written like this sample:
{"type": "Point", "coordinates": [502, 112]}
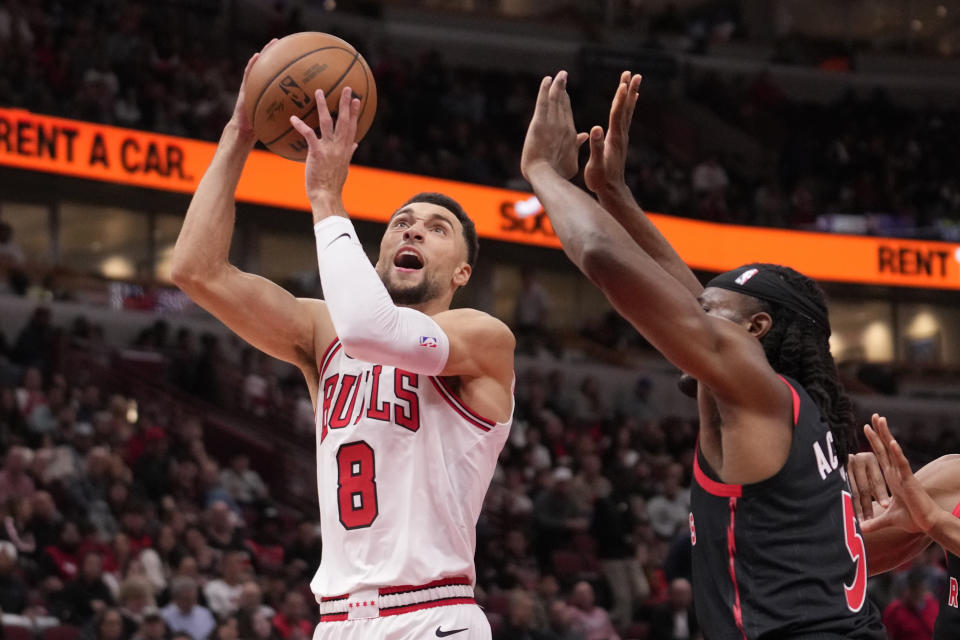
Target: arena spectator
{"type": "Point", "coordinates": [204, 557]}
{"type": "Point", "coordinates": [45, 520]}
{"type": "Point", "coordinates": [260, 386]}
{"type": "Point", "coordinates": [107, 625]}
{"type": "Point", "coordinates": [34, 344]}
{"type": "Point", "coordinates": [675, 619]}
{"type": "Point", "coordinates": [532, 310]}
{"type": "Point", "coordinates": [556, 516]}
{"type": "Point", "coordinates": [589, 619]}
{"type": "Point", "coordinates": [13, 591]}
{"type": "Point", "coordinates": [152, 627]}
{"type": "Point", "coordinates": [184, 614]}
{"type": "Point", "coordinates": [251, 605]}
{"type": "Point", "coordinates": [14, 481]}
{"type": "Point", "coordinates": [306, 549]}
{"type": "Point", "coordinates": [243, 483]}
{"type": "Point", "coordinates": [669, 511]}
{"type": "Point", "coordinates": [913, 614]}
{"type": "Point", "coordinates": [291, 622]}
{"type": "Point", "coordinates": [19, 512]}
{"type": "Point", "coordinates": [135, 600]}
{"type": "Point", "coordinates": [226, 630]}
{"type": "Point", "coordinates": [520, 623]}
{"type": "Point", "coordinates": [222, 527]}
{"type": "Point", "coordinates": [589, 483]}
{"type": "Point", "coordinates": [86, 595]}
{"type": "Point", "coordinates": [561, 622]}
{"type": "Point", "coordinates": [12, 260]}
{"type": "Point", "coordinates": [612, 526]}
{"type": "Point", "coordinates": [223, 594]}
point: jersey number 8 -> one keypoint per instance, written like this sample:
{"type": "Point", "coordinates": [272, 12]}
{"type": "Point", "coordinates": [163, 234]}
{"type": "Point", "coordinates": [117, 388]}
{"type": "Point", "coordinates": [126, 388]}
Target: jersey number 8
{"type": "Point", "coordinates": [357, 485]}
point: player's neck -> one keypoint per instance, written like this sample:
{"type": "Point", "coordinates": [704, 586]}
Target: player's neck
{"type": "Point", "coordinates": [430, 307]}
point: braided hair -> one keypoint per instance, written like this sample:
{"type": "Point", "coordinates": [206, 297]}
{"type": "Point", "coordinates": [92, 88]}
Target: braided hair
{"type": "Point", "coordinates": [798, 348]}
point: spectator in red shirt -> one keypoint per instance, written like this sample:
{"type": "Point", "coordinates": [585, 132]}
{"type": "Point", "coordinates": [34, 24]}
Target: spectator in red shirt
{"type": "Point", "coordinates": [61, 558]}
{"type": "Point", "coordinates": [292, 622]}
{"type": "Point", "coordinates": [912, 616]}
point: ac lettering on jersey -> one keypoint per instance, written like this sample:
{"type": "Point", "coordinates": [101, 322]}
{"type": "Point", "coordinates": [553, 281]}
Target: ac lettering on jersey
{"type": "Point", "coordinates": [826, 464]}
{"type": "Point", "coordinates": [953, 593]}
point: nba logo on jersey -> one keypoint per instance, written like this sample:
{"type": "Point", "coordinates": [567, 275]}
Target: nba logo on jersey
{"type": "Point", "coordinates": [428, 341]}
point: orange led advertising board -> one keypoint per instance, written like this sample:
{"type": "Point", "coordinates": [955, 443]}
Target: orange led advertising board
{"type": "Point", "coordinates": [136, 158]}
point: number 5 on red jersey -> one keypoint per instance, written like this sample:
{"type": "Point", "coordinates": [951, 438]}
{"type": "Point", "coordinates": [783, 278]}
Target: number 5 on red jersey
{"type": "Point", "coordinates": [856, 592]}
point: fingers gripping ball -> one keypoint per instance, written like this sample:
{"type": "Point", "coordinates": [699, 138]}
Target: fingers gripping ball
{"type": "Point", "coordinates": [284, 80]}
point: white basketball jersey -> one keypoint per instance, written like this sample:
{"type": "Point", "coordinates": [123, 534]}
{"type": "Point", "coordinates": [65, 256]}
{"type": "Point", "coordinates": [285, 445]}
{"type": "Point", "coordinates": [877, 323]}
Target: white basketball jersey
{"type": "Point", "coordinates": [402, 469]}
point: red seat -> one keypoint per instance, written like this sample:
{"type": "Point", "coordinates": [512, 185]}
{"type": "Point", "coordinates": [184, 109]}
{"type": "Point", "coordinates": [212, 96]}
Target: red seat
{"type": "Point", "coordinates": [62, 632]}
{"type": "Point", "coordinates": [567, 565]}
{"type": "Point", "coordinates": [16, 632]}
{"type": "Point", "coordinates": [499, 604]}
{"type": "Point", "coordinates": [637, 631]}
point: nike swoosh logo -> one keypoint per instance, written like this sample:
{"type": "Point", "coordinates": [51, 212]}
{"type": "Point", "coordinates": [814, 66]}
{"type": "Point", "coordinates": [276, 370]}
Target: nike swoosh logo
{"type": "Point", "coordinates": [443, 634]}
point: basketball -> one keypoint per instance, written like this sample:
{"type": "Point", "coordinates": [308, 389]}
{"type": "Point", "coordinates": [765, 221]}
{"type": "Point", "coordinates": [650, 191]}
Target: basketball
{"type": "Point", "coordinates": [283, 82]}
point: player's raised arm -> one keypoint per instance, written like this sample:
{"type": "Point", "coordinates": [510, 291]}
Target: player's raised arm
{"type": "Point", "coordinates": [604, 176]}
{"type": "Point", "coordinates": [369, 324]}
{"type": "Point", "coordinates": [258, 310]}
{"type": "Point", "coordinates": [715, 351]}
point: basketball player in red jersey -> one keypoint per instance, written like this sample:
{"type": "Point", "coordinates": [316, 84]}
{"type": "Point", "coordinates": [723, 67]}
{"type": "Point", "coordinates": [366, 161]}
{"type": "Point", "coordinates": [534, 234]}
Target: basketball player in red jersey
{"type": "Point", "coordinates": [925, 508]}
{"type": "Point", "coordinates": [413, 400]}
{"type": "Point", "coordinates": [776, 550]}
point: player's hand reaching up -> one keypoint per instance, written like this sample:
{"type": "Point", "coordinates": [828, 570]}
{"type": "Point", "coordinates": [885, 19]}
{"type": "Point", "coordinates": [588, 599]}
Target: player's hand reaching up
{"type": "Point", "coordinates": [329, 154]}
{"type": "Point", "coordinates": [867, 485]}
{"type": "Point", "coordinates": [608, 154]}
{"type": "Point", "coordinates": [912, 508]}
{"type": "Point", "coordinates": [241, 113]}
{"type": "Point", "coordinates": [552, 141]}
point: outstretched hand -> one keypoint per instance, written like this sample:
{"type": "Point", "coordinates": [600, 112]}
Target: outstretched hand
{"type": "Point", "coordinates": [552, 140]}
{"type": "Point", "coordinates": [866, 484]}
{"type": "Point", "coordinates": [241, 114]}
{"type": "Point", "coordinates": [912, 508]}
{"type": "Point", "coordinates": [608, 154]}
{"type": "Point", "coordinates": [329, 154]}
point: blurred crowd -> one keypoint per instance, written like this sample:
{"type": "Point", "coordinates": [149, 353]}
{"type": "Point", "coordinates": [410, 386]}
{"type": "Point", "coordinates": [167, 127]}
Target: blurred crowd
{"type": "Point", "coordinates": [860, 155]}
{"type": "Point", "coordinates": [167, 68]}
{"type": "Point", "coordinates": [118, 520]}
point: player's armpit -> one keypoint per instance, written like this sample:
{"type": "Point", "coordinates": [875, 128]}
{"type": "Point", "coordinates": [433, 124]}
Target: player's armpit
{"type": "Point", "coordinates": [263, 313]}
{"type": "Point", "coordinates": [480, 345]}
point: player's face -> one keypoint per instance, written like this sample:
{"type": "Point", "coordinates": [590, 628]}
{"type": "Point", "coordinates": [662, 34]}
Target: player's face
{"type": "Point", "coordinates": [729, 305]}
{"type": "Point", "coordinates": [422, 254]}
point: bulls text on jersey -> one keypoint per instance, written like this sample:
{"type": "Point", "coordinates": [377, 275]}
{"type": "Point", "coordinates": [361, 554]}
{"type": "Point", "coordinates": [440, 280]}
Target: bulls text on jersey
{"type": "Point", "coordinates": [340, 400]}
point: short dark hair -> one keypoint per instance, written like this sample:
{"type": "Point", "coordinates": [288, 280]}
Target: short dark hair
{"type": "Point", "coordinates": [451, 205]}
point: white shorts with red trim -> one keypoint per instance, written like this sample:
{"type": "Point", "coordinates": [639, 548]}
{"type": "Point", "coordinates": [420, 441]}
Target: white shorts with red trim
{"type": "Point", "coordinates": [456, 622]}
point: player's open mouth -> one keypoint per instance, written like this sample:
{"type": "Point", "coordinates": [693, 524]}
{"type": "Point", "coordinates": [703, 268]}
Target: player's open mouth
{"type": "Point", "coordinates": [408, 260]}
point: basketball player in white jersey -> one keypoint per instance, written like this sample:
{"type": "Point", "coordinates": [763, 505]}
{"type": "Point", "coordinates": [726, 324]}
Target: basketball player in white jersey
{"type": "Point", "coordinates": [413, 400]}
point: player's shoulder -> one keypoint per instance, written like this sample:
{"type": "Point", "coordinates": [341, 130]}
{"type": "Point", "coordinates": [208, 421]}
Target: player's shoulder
{"type": "Point", "coordinates": [475, 322]}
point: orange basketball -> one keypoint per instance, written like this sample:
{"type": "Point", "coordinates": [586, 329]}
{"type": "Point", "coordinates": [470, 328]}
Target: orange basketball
{"type": "Point", "coordinates": [283, 82]}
